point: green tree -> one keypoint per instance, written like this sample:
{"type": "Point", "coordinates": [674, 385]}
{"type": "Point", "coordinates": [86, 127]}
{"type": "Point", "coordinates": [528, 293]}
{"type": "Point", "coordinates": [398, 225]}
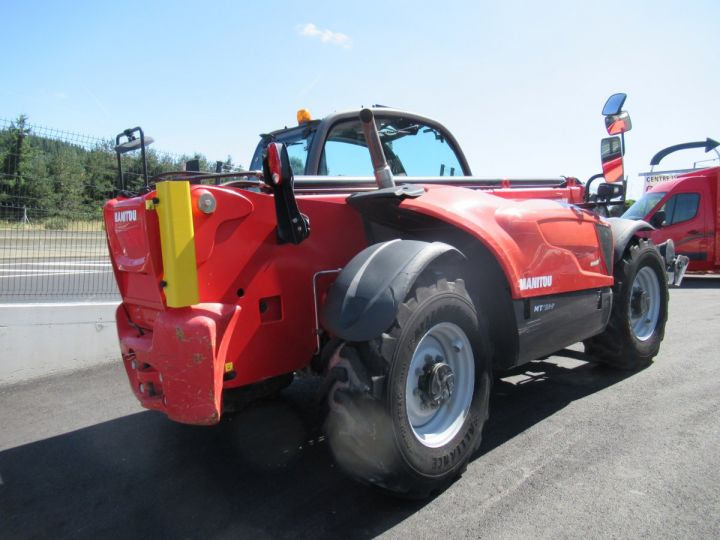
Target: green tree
{"type": "Point", "coordinates": [100, 176]}
{"type": "Point", "coordinates": [67, 176]}
{"type": "Point", "coordinates": [57, 178]}
{"type": "Point", "coordinates": [37, 188]}
{"type": "Point", "coordinates": [297, 165]}
{"type": "Point", "coordinates": [14, 162]}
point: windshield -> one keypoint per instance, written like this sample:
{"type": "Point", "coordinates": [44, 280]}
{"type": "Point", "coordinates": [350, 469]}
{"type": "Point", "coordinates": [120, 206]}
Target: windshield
{"type": "Point", "coordinates": [411, 148]}
{"type": "Point", "coordinates": [297, 142]}
{"type": "Point", "coordinates": [643, 205]}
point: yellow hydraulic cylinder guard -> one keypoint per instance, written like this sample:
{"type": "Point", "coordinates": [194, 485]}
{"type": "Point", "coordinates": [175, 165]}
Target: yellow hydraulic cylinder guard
{"type": "Point", "coordinates": [177, 239]}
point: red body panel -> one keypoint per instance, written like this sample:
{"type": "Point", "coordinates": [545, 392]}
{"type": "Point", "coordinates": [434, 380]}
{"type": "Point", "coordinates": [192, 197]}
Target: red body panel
{"type": "Point", "coordinates": [178, 366]}
{"type": "Point", "coordinates": [571, 195]}
{"type": "Point", "coordinates": [256, 315]}
{"type": "Point", "coordinates": [257, 310]}
{"type": "Point", "coordinates": [530, 239]}
{"type": "Point", "coordinates": [135, 251]}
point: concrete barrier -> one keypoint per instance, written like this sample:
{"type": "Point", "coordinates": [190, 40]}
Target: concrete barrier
{"type": "Point", "coordinates": [43, 339]}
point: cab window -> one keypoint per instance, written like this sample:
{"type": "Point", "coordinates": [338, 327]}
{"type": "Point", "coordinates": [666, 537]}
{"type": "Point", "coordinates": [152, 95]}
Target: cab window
{"type": "Point", "coordinates": [681, 207]}
{"type": "Point", "coordinates": [643, 205]}
{"type": "Point", "coordinates": [411, 149]}
{"type": "Point", "coordinates": [297, 142]}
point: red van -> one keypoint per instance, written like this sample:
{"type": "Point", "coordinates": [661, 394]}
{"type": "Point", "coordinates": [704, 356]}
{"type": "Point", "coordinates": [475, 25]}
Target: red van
{"type": "Point", "coordinates": [684, 206]}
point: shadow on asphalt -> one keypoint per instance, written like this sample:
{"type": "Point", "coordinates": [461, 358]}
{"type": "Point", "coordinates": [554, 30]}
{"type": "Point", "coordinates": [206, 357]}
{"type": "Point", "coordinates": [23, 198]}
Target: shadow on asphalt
{"type": "Point", "coordinates": [545, 388]}
{"type": "Point", "coordinates": [261, 473]}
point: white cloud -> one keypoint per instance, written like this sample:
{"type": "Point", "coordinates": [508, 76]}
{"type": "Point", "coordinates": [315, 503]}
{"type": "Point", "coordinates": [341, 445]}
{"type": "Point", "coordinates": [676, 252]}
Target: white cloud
{"type": "Point", "coordinates": [326, 36]}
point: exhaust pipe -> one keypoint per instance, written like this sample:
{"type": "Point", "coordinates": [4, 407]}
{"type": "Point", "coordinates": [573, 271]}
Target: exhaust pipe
{"type": "Point", "coordinates": [383, 174]}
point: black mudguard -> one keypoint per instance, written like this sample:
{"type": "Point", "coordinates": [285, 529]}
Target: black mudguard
{"type": "Point", "coordinates": [364, 299]}
{"type": "Point", "coordinates": [623, 230]}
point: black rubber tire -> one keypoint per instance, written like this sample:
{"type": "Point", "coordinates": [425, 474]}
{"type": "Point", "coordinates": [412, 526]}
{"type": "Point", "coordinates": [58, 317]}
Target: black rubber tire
{"type": "Point", "coordinates": [618, 346]}
{"type": "Point", "coordinates": [367, 425]}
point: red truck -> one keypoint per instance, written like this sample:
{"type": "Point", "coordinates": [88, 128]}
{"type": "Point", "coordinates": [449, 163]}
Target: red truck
{"type": "Point", "coordinates": [684, 206]}
{"type": "Point", "coordinates": [405, 290]}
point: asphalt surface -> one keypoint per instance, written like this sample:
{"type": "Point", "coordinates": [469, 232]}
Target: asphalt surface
{"type": "Point", "coordinates": [571, 450]}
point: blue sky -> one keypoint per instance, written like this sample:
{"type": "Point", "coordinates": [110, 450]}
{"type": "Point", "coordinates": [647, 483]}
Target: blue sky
{"type": "Point", "coordinates": [521, 84]}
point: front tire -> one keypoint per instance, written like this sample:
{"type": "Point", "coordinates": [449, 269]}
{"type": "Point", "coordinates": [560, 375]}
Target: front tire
{"type": "Point", "coordinates": [416, 432]}
{"type": "Point", "coordinates": [640, 309]}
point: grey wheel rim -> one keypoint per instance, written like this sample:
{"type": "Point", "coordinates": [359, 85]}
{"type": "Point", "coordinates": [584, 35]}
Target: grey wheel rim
{"type": "Point", "coordinates": [440, 384]}
{"type": "Point", "coordinates": [644, 308]}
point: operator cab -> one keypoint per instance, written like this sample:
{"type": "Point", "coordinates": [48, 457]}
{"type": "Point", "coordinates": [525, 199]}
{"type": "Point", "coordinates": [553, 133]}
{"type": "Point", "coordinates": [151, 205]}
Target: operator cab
{"type": "Point", "coordinates": [336, 146]}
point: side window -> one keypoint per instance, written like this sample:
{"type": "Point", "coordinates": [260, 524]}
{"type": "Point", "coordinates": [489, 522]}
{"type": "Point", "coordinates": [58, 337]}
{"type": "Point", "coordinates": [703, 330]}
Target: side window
{"type": "Point", "coordinates": [681, 207]}
{"type": "Point", "coordinates": [297, 152]}
{"type": "Point", "coordinates": [296, 140]}
{"type": "Point", "coordinates": [343, 157]}
{"type": "Point", "coordinates": [426, 153]}
{"type": "Point", "coordinates": [686, 207]}
{"type": "Point", "coordinates": [411, 149]}
{"type": "Point", "coordinates": [668, 208]}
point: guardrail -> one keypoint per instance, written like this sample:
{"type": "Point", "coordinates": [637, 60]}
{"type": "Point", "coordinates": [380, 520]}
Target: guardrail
{"type": "Point", "coordinates": [53, 184]}
{"type": "Point", "coordinates": [46, 256]}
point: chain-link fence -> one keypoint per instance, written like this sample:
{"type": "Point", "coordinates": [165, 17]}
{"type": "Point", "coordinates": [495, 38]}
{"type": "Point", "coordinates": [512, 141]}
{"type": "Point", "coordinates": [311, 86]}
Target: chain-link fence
{"type": "Point", "coordinates": [53, 184]}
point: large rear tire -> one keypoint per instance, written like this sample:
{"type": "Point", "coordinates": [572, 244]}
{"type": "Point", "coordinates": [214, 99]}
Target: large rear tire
{"type": "Point", "coordinates": [640, 309]}
{"type": "Point", "coordinates": [410, 412]}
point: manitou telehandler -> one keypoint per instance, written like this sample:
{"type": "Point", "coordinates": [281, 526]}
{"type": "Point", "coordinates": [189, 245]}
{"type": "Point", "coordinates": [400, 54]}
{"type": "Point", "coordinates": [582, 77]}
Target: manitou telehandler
{"type": "Point", "coordinates": [406, 291]}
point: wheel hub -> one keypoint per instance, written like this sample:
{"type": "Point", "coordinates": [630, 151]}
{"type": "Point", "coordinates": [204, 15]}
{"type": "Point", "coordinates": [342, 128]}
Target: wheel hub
{"type": "Point", "coordinates": [437, 382]}
{"type": "Point", "coordinates": [640, 302]}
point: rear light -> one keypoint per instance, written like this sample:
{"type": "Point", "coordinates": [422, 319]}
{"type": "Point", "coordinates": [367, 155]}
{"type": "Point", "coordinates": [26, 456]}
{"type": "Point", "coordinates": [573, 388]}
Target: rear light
{"type": "Point", "coordinates": [274, 163]}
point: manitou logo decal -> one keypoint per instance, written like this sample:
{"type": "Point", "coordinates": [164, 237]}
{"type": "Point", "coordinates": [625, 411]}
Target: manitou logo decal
{"type": "Point", "coordinates": [125, 216]}
{"type": "Point", "coordinates": [539, 282]}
